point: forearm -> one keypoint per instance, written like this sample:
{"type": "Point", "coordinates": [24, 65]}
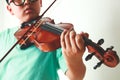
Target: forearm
{"type": "Point", "coordinates": [76, 72]}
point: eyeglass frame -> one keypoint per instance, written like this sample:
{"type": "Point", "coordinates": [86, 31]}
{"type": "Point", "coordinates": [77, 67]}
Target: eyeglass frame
{"type": "Point", "coordinates": [22, 3]}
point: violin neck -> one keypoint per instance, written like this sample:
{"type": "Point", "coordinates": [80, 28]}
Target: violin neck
{"type": "Point", "coordinates": [52, 28]}
{"type": "Point", "coordinates": [58, 30]}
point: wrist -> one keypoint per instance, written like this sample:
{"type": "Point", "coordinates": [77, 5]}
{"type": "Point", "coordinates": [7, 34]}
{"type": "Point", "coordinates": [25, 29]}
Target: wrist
{"type": "Point", "coordinates": [76, 72]}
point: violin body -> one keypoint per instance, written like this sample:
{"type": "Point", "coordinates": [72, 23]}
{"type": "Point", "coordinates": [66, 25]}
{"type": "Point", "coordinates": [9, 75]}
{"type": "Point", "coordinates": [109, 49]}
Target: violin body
{"type": "Point", "coordinates": [43, 39]}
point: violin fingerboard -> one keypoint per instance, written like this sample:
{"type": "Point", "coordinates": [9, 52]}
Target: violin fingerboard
{"type": "Point", "coordinates": [52, 28]}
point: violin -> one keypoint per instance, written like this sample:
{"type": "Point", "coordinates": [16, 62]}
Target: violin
{"type": "Point", "coordinates": [45, 35]}
{"type": "Point", "coordinates": [52, 42]}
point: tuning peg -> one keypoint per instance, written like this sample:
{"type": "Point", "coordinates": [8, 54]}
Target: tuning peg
{"type": "Point", "coordinates": [110, 48]}
{"type": "Point", "coordinates": [89, 56]}
{"type": "Point", "coordinates": [98, 64]}
{"type": "Point", "coordinates": [100, 42]}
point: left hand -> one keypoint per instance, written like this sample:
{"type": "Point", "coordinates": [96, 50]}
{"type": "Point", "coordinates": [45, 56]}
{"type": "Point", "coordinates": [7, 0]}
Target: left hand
{"type": "Point", "coordinates": [73, 46]}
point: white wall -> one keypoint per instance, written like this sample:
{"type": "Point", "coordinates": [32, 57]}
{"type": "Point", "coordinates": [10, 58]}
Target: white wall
{"type": "Point", "coordinates": [100, 18]}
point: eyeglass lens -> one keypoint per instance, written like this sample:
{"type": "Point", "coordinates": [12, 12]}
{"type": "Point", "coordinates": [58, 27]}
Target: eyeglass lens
{"type": "Point", "coordinates": [21, 2]}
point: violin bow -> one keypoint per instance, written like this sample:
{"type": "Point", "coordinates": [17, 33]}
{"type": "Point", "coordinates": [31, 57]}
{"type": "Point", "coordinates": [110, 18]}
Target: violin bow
{"type": "Point", "coordinates": [26, 33]}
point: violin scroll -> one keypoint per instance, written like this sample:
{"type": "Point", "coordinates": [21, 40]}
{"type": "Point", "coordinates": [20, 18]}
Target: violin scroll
{"type": "Point", "coordinates": [109, 57]}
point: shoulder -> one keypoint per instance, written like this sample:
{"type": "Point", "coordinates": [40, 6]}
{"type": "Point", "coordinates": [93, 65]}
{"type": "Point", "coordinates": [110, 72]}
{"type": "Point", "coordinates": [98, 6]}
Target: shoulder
{"type": "Point", "coordinates": [7, 34]}
{"type": "Point", "coordinates": [7, 39]}
{"type": "Point", "coordinates": [8, 31]}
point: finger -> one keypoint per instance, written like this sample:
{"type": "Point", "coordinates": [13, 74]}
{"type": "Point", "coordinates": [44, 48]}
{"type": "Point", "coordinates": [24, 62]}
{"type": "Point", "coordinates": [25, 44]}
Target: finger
{"type": "Point", "coordinates": [62, 40]}
{"type": "Point", "coordinates": [79, 41]}
{"type": "Point", "coordinates": [84, 34]}
{"type": "Point", "coordinates": [67, 39]}
{"type": "Point", "coordinates": [72, 40]}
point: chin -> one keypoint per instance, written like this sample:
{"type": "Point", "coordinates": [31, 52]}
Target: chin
{"type": "Point", "coordinates": [28, 18]}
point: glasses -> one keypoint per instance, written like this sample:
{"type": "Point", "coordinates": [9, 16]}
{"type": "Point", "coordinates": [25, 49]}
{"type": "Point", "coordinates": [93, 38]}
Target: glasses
{"type": "Point", "coordinates": [20, 2]}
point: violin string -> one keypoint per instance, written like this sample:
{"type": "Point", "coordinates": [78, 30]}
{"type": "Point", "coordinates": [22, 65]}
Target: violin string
{"type": "Point", "coordinates": [36, 27]}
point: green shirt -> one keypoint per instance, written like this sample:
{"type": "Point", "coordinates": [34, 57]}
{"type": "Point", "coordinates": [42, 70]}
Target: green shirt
{"type": "Point", "coordinates": [28, 64]}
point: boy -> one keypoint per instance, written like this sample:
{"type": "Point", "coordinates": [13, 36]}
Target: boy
{"type": "Point", "coordinates": [32, 63]}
